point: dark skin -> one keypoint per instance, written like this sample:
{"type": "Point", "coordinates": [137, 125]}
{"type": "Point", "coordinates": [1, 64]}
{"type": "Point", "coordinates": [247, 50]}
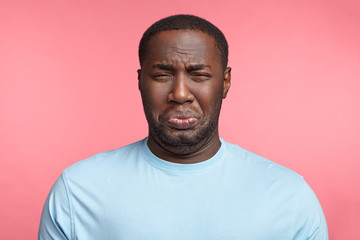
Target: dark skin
{"type": "Point", "coordinates": [182, 83]}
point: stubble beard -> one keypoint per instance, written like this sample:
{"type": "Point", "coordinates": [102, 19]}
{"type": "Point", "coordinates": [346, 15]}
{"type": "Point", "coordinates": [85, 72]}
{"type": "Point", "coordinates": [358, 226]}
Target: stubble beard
{"type": "Point", "coordinates": [184, 142]}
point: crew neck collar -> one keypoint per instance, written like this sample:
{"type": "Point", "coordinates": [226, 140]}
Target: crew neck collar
{"type": "Point", "coordinates": [179, 167]}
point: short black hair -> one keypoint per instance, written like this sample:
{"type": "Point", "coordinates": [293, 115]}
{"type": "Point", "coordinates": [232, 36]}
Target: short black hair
{"type": "Point", "coordinates": [185, 22]}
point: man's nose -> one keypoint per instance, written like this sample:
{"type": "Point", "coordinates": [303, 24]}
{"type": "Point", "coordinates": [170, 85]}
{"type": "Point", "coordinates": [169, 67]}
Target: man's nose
{"type": "Point", "coordinates": [180, 91]}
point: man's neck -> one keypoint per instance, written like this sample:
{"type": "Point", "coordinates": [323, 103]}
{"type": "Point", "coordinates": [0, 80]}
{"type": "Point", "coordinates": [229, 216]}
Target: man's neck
{"type": "Point", "coordinates": [203, 154]}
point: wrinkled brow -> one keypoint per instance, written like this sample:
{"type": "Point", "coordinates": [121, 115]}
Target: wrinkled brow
{"type": "Point", "coordinates": [193, 67]}
{"type": "Point", "coordinates": [196, 67]}
{"type": "Point", "coordinates": [160, 66]}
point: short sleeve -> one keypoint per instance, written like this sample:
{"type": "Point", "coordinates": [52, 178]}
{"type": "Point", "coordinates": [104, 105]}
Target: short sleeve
{"type": "Point", "coordinates": [56, 215]}
{"type": "Point", "coordinates": [310, 220]}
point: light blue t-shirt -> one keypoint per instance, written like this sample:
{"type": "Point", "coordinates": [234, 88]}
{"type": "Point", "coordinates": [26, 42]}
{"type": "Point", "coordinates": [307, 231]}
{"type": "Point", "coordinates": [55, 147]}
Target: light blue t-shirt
{"type": "Point", "coordinates": [130, 194]}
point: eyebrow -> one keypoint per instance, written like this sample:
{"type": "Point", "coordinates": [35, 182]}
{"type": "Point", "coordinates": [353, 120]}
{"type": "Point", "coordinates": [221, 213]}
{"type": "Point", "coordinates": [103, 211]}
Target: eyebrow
{"type": "Point", "coordinates": [196, 67]}
{"type": "Point", "coordinates": [161, 66]}
{"type": "Point", "coordinates": [170, 67]}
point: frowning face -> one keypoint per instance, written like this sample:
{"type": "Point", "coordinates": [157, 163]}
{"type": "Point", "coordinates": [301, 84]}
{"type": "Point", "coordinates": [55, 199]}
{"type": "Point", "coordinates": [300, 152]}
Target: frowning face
{"type": "Point", "coordinates": [182, 84]}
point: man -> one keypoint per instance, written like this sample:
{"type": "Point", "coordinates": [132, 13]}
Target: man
{"type": "Point", "coordinates": [183, 181]}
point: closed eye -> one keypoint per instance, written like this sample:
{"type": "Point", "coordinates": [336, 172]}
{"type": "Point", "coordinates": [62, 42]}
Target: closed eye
{"type": "Point", "coordinates": [161, 76]}
{"type": "Point", "coordinates": [196, 76]}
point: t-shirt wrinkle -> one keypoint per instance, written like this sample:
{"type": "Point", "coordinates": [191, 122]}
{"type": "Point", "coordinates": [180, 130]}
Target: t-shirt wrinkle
{"type": "Point", "coordinates": [72, 230]}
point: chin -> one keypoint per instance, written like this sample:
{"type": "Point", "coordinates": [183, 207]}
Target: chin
{"type": "Point", "coordinates": [183, 142]}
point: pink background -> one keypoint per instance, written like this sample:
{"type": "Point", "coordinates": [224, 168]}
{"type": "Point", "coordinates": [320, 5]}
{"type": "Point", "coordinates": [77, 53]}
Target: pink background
{"type": "Point", "coordinates": [68, 90]}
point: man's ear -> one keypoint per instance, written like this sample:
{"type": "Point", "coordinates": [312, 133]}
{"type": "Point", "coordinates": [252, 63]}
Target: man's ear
{"type": "Point", "coordinates": [139, 77]}
{"type": "Point", "coordinates": [227, 81]}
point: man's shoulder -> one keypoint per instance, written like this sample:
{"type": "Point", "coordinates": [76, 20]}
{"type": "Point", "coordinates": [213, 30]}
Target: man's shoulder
{"type": "Point", "coordinates": [260, 166]}
{"type": "Point", "coordinates": [105, 160]}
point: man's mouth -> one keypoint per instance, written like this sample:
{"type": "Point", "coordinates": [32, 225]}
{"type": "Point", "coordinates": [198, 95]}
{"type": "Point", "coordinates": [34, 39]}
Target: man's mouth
{"type": "Point", "coordinates": [182, 123]}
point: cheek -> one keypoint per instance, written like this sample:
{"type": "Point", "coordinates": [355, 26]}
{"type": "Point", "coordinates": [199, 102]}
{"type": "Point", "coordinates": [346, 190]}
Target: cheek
{"type": "Point", "coordinates": [154, 97]}
{"type": "Point", "coordinates": [209, 96]}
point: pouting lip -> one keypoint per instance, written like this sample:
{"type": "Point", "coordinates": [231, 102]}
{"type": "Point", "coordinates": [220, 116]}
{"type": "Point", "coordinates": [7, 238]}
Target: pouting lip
{"type": "Point", "coordinates": [182, 122]}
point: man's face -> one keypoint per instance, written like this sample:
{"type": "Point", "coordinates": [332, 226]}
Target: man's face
{"type": "Point", "coordinates": [182, 84]}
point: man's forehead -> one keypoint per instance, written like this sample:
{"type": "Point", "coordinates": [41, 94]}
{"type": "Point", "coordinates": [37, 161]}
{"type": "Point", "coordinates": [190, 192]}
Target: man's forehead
{"type": "Point", "coordinates": [175, 46]}
{"type": "Point", "coordinates": [187, 36]}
